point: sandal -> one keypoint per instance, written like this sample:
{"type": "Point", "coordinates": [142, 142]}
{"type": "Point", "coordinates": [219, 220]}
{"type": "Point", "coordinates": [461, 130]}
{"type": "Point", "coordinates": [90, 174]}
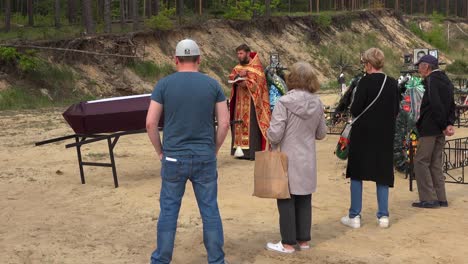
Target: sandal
{"type": "Point", "coordinates": [304, 247]}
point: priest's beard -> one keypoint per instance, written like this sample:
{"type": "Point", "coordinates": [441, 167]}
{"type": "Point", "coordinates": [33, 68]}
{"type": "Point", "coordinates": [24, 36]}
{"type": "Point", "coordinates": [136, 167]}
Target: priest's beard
{"type": "Point", "coordinates": [244, 61]}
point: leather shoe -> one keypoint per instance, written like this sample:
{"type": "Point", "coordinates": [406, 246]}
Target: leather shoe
{"type": "Point", "coordinates": [427, 204]}
{"type": "Point", "coordinates": [443, 203]}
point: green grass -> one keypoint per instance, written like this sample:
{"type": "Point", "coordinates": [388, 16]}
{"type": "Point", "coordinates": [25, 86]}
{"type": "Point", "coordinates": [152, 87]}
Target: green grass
{"type": "Point", "coordinates": [58, 79]}
{"type": "Point", "coordinates": [41, 33]}
{"type": "Point", "coordinates": [221, 67]}
{"type": "Point", "coordinates": [150, 71]}
{"type": "Point", "coordinates": [458, 67]}
{"type": "Point", "coordinates": [348, 47]}
{"type": "Point", "coordinates": [330, 87]}
{"type": "Point", "coordinates": [20, 97]}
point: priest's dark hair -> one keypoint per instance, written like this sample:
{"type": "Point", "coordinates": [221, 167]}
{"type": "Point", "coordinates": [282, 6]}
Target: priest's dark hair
{"type": "Point", "coordinates": [243, 47]}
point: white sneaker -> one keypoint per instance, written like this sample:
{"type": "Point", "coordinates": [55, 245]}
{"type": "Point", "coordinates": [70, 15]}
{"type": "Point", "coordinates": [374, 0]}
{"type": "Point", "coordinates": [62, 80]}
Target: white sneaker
{"type": "Point", "coordinates": [278, 247]}
{"type": "Point", "coordinates": [384, 222]}
{"type": "Point", "coordinates": [351, 222]}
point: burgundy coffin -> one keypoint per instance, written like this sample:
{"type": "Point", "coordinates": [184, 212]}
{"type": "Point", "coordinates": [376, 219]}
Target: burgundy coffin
{"type": "Point", "coordinates": [124, 113]}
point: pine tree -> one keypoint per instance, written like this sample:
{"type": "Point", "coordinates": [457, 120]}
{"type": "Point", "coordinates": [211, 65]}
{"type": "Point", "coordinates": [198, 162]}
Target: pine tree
{"type": "Point", "coordinates": [88, 16]}
{"type": "Point", "coordinates": [7, 15]}
{"type": "Point", "coordinates": [107, 16]}
{"type": "Point", "coordinates": [30, 8]}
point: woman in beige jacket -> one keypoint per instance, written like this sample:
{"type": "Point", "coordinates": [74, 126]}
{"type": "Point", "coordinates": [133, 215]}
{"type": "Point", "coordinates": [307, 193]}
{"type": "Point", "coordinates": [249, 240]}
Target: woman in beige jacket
{"type": "Point", "coordinates": [297, 121]}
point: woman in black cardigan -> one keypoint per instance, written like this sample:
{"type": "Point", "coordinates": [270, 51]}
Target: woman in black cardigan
{"type": "Point", "coordinates": [371, 148]}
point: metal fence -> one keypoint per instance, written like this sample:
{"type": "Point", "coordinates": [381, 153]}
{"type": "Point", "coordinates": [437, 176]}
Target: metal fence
{"type": "Point", "coordinates": [335, 123]}
{"type": "Point", "coordinates": [455, 159]}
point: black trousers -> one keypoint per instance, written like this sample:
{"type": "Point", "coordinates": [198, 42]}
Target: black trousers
{"type": "Point", "coordinates": [295, 218]}
{"type": "Point", "coordinates": [255, 135]}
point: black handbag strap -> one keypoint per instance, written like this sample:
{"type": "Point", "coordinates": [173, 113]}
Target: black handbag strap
{"type": "Point", "coordinates": [372, 103]}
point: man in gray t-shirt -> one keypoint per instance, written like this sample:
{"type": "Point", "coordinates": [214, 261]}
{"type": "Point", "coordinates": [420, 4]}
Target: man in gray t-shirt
{"type": "Point", "coordinates": [189, 100]}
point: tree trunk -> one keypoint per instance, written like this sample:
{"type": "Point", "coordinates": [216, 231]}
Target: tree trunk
{"type": "Point", "coordinates": [107, 16]}
{"type": "Point", "coordinates": [318, 6]}
{"type": "Point", "coordinates": [179, 8]}
{"type": "Point", "coordinates": [122, 14]}
{"type": "Point", "coordinates": [135, 17]}
{"type": "Point", "coordinates": [455, 9]}
{"type": "Point", "coordinates": [149, 6]}
{"type": "Point", "coordinates": [155, 9]}
{"type": "Point", "coordinates": [72, 11]}
{"type": "Point", "coordinates": [88, 16]}
{"type": "Point", "coordinates": [7, 15]}
{"type": "Point", "coordinates": [30, 8]}
{"type": "Point", "coordinates": [23, 9]}
{"type": "Point", "coordinates": [57, 13]}
{"type": "Point", "coordinates": [127, 9]}
{"type": "Point", "coordinates": [447, 8]}
{"type": "Point", "coordinates": [267, 8]}
{"type": "Point", "coordinates": [100, 9]}
{"type": "Point", "coordinates": [425, 7]}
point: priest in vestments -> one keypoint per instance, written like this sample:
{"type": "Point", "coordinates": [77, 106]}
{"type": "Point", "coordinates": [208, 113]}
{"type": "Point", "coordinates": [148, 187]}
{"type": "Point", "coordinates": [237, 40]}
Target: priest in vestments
{"type": "Point", "coordinates": [249, 105]}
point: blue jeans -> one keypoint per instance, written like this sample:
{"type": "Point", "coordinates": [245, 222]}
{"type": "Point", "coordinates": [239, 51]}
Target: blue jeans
{"type": "Point", "coordinates": [356, 199]}
{"type": "Point", "coordinates": [201, 171]}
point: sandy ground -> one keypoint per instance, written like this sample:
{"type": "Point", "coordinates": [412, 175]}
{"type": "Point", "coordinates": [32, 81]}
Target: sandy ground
{"type": "Point", "coordinates": [47, 216]}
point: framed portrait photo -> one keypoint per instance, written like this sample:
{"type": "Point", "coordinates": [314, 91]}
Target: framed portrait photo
{"type": "Point", "coordinates": [274, 59]}
{"type": "Point", "coordinates": [434, 53]}
{"type": "Point", "coordinates": [419, 53]}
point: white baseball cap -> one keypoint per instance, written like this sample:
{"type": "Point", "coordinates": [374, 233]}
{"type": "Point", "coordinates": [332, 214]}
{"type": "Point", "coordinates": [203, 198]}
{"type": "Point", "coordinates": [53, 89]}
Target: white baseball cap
{"type": "Point", "coordinates": [187, 47]}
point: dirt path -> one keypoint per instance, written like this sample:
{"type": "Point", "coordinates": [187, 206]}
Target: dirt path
{"type": "Point", "coordinates": [47, 216]}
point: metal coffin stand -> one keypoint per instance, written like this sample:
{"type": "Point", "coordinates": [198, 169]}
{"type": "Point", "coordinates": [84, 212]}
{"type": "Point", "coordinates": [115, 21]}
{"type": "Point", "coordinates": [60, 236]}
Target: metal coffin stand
{"type": "Point", "coordinates": [82, 139]}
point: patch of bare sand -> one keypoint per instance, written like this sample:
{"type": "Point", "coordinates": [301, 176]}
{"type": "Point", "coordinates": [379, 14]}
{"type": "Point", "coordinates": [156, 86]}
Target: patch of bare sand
{"type": "Point", "coordinates": [49, 217]}
{"type": "Point", "coordinates": [4, 85]}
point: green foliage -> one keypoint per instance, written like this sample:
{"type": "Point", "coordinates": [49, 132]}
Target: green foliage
{"type": "Point", "coordinates": [59, 79]}
{"type": "Point", "coordinates": [20, 98]}
{"type": "Point", "coordinates": [435, 36]}
{"type": "Point", "coordinates": [414, 27]}
{"type": "Point", "coordinates": [17, 98]}
{"type": "Point", "coordinates": [218, 12]}
{"type": "Point", "coordinates": [331, 87]}
{"type": "Point", "coordinates": [160, 22]}
{"type": "Point", "coordinates": [151, 71]}
{"type": "Point", "coordinates": [323, 20]}
{"type": "Point", "coordinates": [458, 67]}
{"type": "Point", "coordinates": [168, 12]}
{"type": "Point", "coordinates": [27, 63]}
{"type": "Point", "coordinates": [8, 55]}
{"type": "Point", "coordinates": [347, 48]}
{"type": "Point", "coordinates": [437, 17]}
{"type": "Point", "coordinates": [245, 10]}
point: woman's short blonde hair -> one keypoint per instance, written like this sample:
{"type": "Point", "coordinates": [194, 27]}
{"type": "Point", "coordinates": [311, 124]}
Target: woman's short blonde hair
{"type": "Point", "coordinates": [302, 77]}
{"type": "Point", "coordinates": [375, 57]}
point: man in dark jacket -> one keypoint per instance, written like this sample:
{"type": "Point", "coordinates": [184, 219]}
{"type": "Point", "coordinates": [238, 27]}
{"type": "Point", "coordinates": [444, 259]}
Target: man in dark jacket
{"type": "Point", "coordinates": [435, 122]}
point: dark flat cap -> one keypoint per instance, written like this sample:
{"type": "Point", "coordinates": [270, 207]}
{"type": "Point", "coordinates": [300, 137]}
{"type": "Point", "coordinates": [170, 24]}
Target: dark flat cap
{"type": "Point", "coordinates": [429, 59]}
